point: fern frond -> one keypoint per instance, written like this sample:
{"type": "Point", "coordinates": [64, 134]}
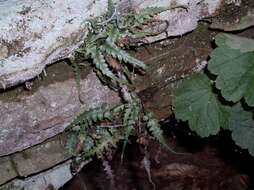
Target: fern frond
{"type": "Point", "coordinates": [113, 50]}
{"type": "Point", "coordinates": [106, 141]}
{"type": "Point", "coordinates": [114, 33]}
{"type": "Point", "coordinates": [100, 63]}
{"type": "Point", "coordinates": [105, 138]}
{"type": "Point", "coordinates": [128, 131]}
{"type": "Point", "coordinates": [154, 127]}
{"type": "Point", "coordinates": [71, 143]}
{"type": "Point", "coordinates": [87, 118]}
{"type": "Point", "coordinates": [111, 8]}
{"type": "Point", "coordinates": [77, 74]}
{"type": "Point", "coordinates": [130, 118]}
{"type": "Point", "coordinates": [148, 13]}
{"type": "Point", "coordinates": [105, 33]}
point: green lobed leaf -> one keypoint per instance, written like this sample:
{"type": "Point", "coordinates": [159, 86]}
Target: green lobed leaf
{"type": "Point", "coordinates": [241, 124]}
{"type": "Point", "coordinates": [235, 42]}
{"type": "Point", "coordinates": [234, 67]}
{"type": "Point", "coordinates": [196, 102]}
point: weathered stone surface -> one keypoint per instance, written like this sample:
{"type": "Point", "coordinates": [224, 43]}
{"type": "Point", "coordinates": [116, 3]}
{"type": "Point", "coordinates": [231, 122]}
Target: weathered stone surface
{"type": "Point", "coordinates": [29, 120]}
{"type": "Point", "coordinates": [51, 179]}
{"type": "Point", "coordinates": [40, 157]}
{"type": "Point", "coordinates": [8, 171]}
{"type": "Point", "coordinates": [33, 160]}
{"type": "Point", "coordinates": [169, 62]}
{"type": "Point", "coordinates": [35, 33]}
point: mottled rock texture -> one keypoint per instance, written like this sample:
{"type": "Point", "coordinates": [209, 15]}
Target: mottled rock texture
{"type": "Point", "coordinates": [32, 119]}
{"type": "Point", "coordinates": [34, 34]}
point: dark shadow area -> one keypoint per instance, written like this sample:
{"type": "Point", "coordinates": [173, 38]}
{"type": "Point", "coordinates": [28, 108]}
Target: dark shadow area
{"type": "Point", "coordinates": [213, 163]}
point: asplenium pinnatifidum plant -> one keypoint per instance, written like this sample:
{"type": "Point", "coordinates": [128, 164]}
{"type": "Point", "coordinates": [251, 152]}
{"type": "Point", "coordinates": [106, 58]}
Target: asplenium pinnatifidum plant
{"type": "Point", "coordinates": [97, 131]}
{"type": "Point", "coordinates": [223, 97]}
{"type": "Point", "coordinates": [108, 35]}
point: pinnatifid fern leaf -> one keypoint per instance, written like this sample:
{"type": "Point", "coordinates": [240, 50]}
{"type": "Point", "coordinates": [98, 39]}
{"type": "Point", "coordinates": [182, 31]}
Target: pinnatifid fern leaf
{"type": "Point", "coordinates": [100, 63]}
{"type": "Point", "coordinates": [87, 120]}
{"type": "Point", "coordinates": [153, 126]}
{"type": "Point", "coordinates": [77, 74]}
{"type": "Point", "coordinates": [92, 116]}
{"type": "Point", "coordinates": [148, 13]}
{"type": "Point", "coordinates": [71, 143]}
{"type": "Point", "coordinates": [113, 50]}
{"type": "Point", "coordinates": [106, 141]}
{"type": "Point", "coordinates": [76, 70]}
{"type": "Point", "coordinates": [111, 8]}
{"type": "Point", "coordinates": [130, 118]}
{"type": "Point", "coordinates": [114, 34]}
{"type": "Point", "coordinates": [105, 36]}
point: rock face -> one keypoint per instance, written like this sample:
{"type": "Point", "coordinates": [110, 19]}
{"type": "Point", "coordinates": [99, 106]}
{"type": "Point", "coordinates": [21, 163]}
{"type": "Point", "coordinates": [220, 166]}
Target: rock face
{"type": "Point", "coordinates": [156, 92]}
{"type": "Point", "coordinates": [34, 34]}
{"type": "Point", "coordinates": [32, 119]}
{"type": "Point", "coordinates": [33, 160]}
{"type": "Point", "coordinates": [52, 179]}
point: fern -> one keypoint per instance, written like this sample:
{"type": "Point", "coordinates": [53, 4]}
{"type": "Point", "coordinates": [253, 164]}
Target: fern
{"type": "Point", "coordinates": [147, 14]}
{"type": "Point", "coordinates": [107, 140]}
{"type": "Point", "coordinates": [131, 117]}
{"type": "Point", "coordinates": [116, 52]}
{"type": "Point", "coordinates": [111, 8]}
{"type": "Point", "coordinates": [154, 127]}
{"type": "Point", "coordinates": [88, 119]}
{"type": "Point", "coordinates": [105, 35]}
{"type": "Point", "coordinates": [77, 73]}
{"type": "Point", "coordinates": [100, 63]}
{"type": "Point", "coordinates": [71, 143]}
{"type": "Point", "coordinates": [106, 31]}
{"type": "Point", "coordinates": [114, 34]}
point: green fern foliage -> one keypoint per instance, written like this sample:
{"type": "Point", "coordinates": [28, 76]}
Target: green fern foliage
{"type": "Point", "coordinates": [154, 128]}
{"type": "Point", "coordinates": [89, 136]}
{"type": "Point", "coordinates": [111, 8]}
{"type": "Point", "coordinates": [131, 117]}
{"type": "Point", "coordinates": [97, 131]}
{"type": "Point", "coordinates": [71, 143]}
{"type": "Point", "coordinates": [109, 31]}
{"type": "Point", "coordinates": [112, 49]}
{"type": "Point", "coordinates": [148, 13]}
{"type": "Point", "coordinates": [100, 63]}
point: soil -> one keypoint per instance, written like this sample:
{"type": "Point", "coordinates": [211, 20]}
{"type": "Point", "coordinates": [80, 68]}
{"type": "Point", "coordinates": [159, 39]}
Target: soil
{"type": "Point", "coordinates": [214, 163]}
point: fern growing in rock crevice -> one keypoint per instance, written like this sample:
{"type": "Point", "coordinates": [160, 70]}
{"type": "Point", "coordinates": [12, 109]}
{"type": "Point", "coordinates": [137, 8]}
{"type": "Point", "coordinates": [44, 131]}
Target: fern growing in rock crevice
{"type": "Point", "coordinates": [99, 130]}
{"type": "Point", "coordinates": [109, 33]}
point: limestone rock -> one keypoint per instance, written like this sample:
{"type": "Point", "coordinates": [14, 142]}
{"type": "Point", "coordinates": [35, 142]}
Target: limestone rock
{"type": "Point", "coordinates": [35, 33]}
{"type": "Point", "coordinates": [29, 120]}
{"type": "Point", "coordinates": [51, 179]}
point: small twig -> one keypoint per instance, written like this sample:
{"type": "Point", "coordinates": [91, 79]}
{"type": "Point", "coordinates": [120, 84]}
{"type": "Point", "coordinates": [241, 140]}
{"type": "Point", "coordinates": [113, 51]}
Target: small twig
{"type": "Point", "coordinates": [147, 165]}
